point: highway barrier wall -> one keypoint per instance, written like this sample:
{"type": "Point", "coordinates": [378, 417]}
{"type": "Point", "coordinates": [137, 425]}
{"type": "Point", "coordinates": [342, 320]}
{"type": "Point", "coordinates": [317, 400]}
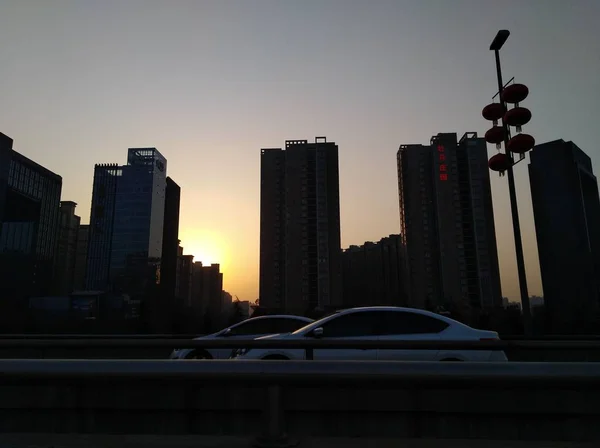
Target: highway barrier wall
{"type": "Point", "coordinates": [283, 401]}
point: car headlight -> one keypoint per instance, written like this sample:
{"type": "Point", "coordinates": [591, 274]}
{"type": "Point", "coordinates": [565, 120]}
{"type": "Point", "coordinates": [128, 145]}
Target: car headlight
{"type": "Point", "coordinates": [239, 352]}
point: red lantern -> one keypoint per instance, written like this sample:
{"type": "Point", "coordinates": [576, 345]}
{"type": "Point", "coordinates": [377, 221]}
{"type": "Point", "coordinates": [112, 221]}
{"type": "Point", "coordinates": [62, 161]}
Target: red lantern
{"type": "Point", "coordinates": [494, 135]}
{"type": "Point", "coordinates": [515, 93]}
{"type": "Point", "coordinates": [521, 143]}
{"type": "Point", "coordinates": [493, 111]}
{"type": "Point", "coordinates": [499, 162]}
{"type": "Point", "coordinates": [517, 116]}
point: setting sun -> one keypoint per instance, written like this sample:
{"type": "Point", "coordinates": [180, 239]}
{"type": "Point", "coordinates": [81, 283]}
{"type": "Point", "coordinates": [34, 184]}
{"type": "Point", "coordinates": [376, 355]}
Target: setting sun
{"type": "Point", "coordinates": [206, 246]}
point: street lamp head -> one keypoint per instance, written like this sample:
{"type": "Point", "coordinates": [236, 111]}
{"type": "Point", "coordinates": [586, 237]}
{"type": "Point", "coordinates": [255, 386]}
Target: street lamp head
{"type": "Point", "coordinates": [499, 40]}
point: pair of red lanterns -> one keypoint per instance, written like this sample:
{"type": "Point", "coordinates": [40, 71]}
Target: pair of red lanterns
{"type": "Point", "coordinates": [517, 117]}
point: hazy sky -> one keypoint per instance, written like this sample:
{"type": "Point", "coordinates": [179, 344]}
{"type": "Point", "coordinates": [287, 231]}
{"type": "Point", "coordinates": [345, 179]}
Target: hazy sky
{"type": "Point", "coordinates": [209, 83]}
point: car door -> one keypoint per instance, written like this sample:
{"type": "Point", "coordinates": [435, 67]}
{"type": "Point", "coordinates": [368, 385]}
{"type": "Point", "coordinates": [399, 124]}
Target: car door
{"type": "Point", "coordinates": [409, 326]}
{"type": "Point", "coordinates": [247, 330]}
{"type": "Point", "coordinates": [357, 326]}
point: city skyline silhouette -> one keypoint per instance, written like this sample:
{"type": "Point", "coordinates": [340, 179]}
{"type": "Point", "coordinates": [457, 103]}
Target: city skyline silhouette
{"type": "Point", "coordinates": [210, 83]}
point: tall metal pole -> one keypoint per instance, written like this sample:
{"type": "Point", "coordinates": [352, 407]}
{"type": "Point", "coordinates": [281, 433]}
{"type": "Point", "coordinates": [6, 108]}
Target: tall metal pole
{"type": "Point", "coordinates": [527, 324]}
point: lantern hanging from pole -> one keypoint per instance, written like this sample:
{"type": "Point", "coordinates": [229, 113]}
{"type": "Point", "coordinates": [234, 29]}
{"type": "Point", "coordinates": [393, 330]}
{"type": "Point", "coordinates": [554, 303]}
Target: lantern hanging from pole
{"type": "Point", "coordinates": [521, 143]}
{"type": "Point", "coordinates": [500, 162]}
{"type": "Point", "coordinates": [495, 135]}
{"type": "Point", "coordinates": [514, 93]}
{"type": "Point", "coordinates": [493, 112]}
{"type": "Point", "coordinates": [517, 117]}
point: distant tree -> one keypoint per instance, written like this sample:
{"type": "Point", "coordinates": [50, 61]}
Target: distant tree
{"type": "Point", "coordinates": [237, 314]}
{"type": "Point", "coordinates": [257, 310]}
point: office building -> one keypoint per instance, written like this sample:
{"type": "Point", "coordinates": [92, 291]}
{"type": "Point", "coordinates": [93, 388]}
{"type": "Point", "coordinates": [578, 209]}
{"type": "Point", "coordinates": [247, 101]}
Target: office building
{"type": "Point", "coordinates": [447, 220]}
{"type": "Point", "coordinates": [185, 272]}
{"type": "Point", "coordinates": [170, 241]}
{"type": "Point", "coordinates": [81, 252]}
{"type": "Point", "coordinates": [68, 230]}
{"type": "Point", "coordinates": [139, 212]}
{"type": "Point", "coordinates": [104, 192]}
{"type": "Point", "coordinates": [372, 274]}
{"type": "Point", "coordinates": [207, 294]}
{"type": "Point", "coordinates": [29, 206]}
{"type": "Point", "coordinates": [300, 253]}
{"type": "Point", "coordinates": [126, 223]}
{"type": "Point", "coordinates": [566, 210]}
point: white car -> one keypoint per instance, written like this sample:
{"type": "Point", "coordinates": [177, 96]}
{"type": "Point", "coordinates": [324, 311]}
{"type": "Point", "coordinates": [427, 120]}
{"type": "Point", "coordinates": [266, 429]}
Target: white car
{"type": "Point", "coordinates": [383, 323]}
{"type": "Point", "coordinates": [248, 329]}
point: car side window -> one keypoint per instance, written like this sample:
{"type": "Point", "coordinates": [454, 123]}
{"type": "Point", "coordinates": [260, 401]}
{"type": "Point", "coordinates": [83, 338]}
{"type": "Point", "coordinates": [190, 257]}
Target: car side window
{"type": "Point", "coordinates": [401, 322]}
{"type": "Point", "coordinates": [284, 325]}
{"type": "Point", "coordinates": [261, 326]}
{"type": "Point", "coordinates": [353, 325]}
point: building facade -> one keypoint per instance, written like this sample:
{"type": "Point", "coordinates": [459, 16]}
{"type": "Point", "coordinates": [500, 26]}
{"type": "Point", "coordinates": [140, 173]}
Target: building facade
{"type": "Point", "coordinates": [372, 274]}
{"type": "Point", "coordinates": [81, 253]}
{"type": "Point", "coordinates": [170, 241]}
{"type": "Point", "coordinates": [104, 192]}
{"type": "Point", "coordinates": [566, 210]}
{"type": "Point", "coordinates": [68, 232]}
{"type": "Point", "coordinates": [185, 268]}
{"type": "Point", "coordinates": [127, 221]}
{"type": "Point", "coordinates": [207, 294]}
{"type": "Point", "coordinates": [446, 217]}
{"type": "Point", "coordinates": [29, 206]}
{"type": "Point", "coordinates": [139, 211]}
{"type": "Point", "coordinates": [300, 253]}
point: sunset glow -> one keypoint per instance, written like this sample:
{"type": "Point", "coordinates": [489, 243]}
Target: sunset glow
{"type": "Point", "coordinates": [206, 245]}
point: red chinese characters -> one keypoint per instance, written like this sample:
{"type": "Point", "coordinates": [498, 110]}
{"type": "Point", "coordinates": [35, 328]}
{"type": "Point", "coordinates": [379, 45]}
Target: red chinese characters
{"type": "Point", "coordinates": [442, 159]}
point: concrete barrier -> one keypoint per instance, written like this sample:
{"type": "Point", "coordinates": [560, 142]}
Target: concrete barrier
{"type": "Point", "coordinates": [524, 401]}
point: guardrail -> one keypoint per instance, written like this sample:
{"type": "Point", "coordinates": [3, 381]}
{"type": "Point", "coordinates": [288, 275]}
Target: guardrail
{"type": "Point", "coordinates": [309, 343]}
{"type": "Point", "coordinates": [193, 336]}
{"type": "Point", "coordinates": [517, 394]}
{"type": "Point", "coordinates": [100, 336]}
{"type": "Point", "coordinates": [572, 350]}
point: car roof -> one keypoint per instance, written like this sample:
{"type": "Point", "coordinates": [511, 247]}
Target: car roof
{"type": "Point", "coordinates": [405, 309]}
{"type": "Point", "coordinates": [281, 316]}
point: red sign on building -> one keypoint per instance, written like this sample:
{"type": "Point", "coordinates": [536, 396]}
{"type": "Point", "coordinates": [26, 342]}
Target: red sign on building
{"type": "Point", "coordinates": [443, 166]}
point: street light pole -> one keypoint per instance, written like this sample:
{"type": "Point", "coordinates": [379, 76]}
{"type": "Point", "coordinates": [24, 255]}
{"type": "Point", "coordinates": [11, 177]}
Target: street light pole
{"type": "Point", "coordinates": [527, 324]}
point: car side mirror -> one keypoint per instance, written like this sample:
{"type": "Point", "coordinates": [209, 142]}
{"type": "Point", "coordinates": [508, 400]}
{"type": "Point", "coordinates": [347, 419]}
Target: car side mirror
{"type": "Point", "coordinates": [318, 332]}
{"type": "Point", "coordinates": [227, 332]}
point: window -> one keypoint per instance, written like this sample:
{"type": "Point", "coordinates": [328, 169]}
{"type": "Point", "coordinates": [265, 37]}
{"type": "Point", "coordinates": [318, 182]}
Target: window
{"type": "Point", "coordinates": [401, 322]}
{"type": "Point", "coordinates": [353, 325]}
{"type": "Point", "coordinates": [259, 326]}
{"type": "Point", "coordinates": [286, 325]}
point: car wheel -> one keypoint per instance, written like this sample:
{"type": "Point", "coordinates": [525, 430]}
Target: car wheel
{"type": "Point", "coordinates": [199, 355]}
{"type": "Point", "coordinates": [276, 357]}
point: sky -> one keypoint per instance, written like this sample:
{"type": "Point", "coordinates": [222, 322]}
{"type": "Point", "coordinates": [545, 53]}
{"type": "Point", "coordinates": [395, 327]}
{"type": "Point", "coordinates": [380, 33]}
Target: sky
{"type": "Point", "coordinates": [210, 83]}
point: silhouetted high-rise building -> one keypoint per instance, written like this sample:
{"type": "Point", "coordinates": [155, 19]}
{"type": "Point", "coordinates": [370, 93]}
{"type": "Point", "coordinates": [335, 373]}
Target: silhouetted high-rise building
{"type": "Point", "coordinates": [566, 210]}
{"type": "Point", "coordinates": [300, 264]}
{"type": "Point", "coordinates": [106, 178]}
{"type": "Point", "coordinates": [372, 273]}
{"type": "Point", "coordinates": [29, 205]}
{"type": "Point", "coordinates": [207, 294]}
{"type": "Point", "coordinates": [81, 252]}
{"type": "Point", "coordinates": [447, 220]}
{"type": "Point", "coordinates": [185, 271]}
{"type": "Point", "coordinates": [170, 241]}
{"type": "Point", "coordinates": [126, 223]}
{"type": "Point", "coordinates": [139, 213]}
{"type": "Point", "coordinates": [68, 230]}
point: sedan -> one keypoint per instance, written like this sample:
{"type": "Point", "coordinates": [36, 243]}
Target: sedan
{"type": "Point", "coordinates": [249, 329]}
{"type": "Point", "coordinates": [383, 324]}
